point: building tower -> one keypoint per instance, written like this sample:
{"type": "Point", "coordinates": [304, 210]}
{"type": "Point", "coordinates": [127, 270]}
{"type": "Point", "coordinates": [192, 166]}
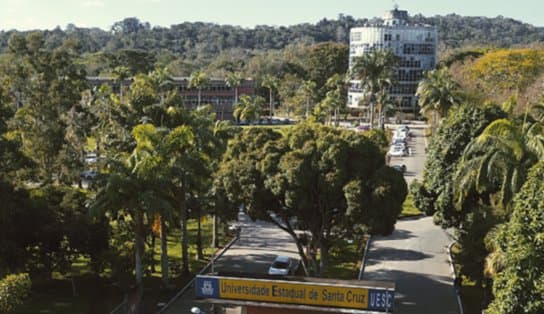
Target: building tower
{"type": "Point", "coordinates": [415, 45]}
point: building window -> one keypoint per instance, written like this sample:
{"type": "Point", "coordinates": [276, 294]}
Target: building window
{"type": "Point", "coordinates": [356, 36]}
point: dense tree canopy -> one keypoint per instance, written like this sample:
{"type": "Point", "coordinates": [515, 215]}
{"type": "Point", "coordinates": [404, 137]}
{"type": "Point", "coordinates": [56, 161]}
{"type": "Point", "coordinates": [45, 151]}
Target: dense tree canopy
{"type": "Point", "coordinates": [519, 287]}
{"type": "Point", "coordinates": [334, 182]}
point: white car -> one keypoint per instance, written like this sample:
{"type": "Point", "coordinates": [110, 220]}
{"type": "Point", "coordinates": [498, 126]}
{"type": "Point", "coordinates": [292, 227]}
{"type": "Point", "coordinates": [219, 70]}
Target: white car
{"type": "Point", "coordinates": [397, 151]}
{"type": "Point", "coordinates": [282, 266]}
{"type": "Point", "coordinates": [90, 158]}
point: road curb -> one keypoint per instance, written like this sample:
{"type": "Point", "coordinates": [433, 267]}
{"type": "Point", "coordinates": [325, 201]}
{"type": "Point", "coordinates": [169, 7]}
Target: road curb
{"type": "Point", "coordinates": [191, 282]}
{"type": "Point", "coordinates": [363, 261]}
{"type": "Point", "coordinates": [455, 279]}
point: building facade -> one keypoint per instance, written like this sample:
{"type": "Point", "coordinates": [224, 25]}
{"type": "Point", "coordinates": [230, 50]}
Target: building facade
{"type": "Point", "coordinates": [217, 93]}
{"type": "Point", "coordinates": [415, 45]}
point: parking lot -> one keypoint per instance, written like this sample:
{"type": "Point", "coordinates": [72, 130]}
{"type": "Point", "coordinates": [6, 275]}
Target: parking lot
{"type": "Point", "coordinates": [414, 157]}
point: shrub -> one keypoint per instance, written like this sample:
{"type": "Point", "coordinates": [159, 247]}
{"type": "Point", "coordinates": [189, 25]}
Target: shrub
{"type": "Point", "coordinates": [422, 198]}
{"type": "Point", "coordinates": [13, 290]}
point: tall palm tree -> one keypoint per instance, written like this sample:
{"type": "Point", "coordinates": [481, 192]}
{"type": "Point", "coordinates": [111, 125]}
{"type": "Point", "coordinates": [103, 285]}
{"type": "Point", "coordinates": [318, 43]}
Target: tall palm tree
{"type": "Point", "coordinates": [437, 93]}
{"type": "Point", "coordinates": [377, 72]}
{"type": "Point", "coordinates": [198, 80]}
{"type": "Point", "coordinates": [162, 82]}
{"type": "Point", "coordinates": [334, 101]}
{"type": "Point", "coordinates": [120, 74]}
{"type": "Point", "coordinates": [270, 82]}
{"type": "Point", "coordinates": [247, 109]}
{"type": "Point", "coordinates": [128, 191]}
{"type": "Point", "coordinates": [234, 80]}
{"type": "Point", "coordinates": [308, 88]}
{"type": "Point", "coordinates": [495, 163]}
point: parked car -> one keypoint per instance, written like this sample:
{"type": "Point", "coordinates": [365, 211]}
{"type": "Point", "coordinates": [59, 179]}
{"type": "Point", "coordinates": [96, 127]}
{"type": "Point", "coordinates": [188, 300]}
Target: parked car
{"type": "Point", "coordinates": [88, 175]}
{"type": "Point", "coordinates": [397, 151]}
{"type": "Point", "coordinates": [282, 266]}
{"type": "Point", "coordinates": [399, 168]}
{"type": "Point", "coordinates": [90, 158]}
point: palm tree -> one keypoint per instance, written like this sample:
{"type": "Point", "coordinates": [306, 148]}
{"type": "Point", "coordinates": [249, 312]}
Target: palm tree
{"type": "Point", "coordinates": [234, 80]}
{"type": "Point", "coordinates": [385, 105]}
{"type": "Point", "coordinates": [120, 74]}
{"type": "Point", "coordinates": [198, 80]}
{"type": "Point", "coordinates": [496, 163]}
{"type": "Point", "coordinates": [126, 190]}
{"type": "Point", "coordinates": [270, 82]}
{"type": "Point", "coordinates": [437, 93]}
{"type": "Point", "coordinates": [248, 109]}
{"type": "Point", "coordinates": [334, 101]}
{"type": "Point", "coordinates": [308, 87]}
{"type": "Point", "coordinates": [162, 82]}
{"type": "Point", "coordinates": [377, 72]}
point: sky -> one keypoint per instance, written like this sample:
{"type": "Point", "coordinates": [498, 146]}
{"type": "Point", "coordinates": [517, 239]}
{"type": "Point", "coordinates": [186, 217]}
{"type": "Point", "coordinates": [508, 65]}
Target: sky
{"type": "Point", "coordinates": [47, 14]}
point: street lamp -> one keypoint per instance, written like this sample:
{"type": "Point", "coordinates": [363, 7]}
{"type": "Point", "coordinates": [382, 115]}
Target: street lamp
{"type": "Point", "coordinates": [196, 310]}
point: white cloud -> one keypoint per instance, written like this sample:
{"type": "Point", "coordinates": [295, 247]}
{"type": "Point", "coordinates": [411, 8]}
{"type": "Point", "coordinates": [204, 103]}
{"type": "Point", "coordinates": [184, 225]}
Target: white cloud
{"type": "Point", "coordinates": [93, 4]}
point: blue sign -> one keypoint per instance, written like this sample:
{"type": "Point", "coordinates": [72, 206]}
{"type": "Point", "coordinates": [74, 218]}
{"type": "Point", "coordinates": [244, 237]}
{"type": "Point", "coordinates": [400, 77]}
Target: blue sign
{"type": "Point", "coordinates": [381, 300]}
{"type": "Point", "coordinates": [207, 287]}
{"type": "Point", "coordinates": [295, 292]}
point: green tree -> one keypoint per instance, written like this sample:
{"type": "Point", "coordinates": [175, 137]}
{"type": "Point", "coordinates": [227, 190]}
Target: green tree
{"type": "Point", "coordinates": [494, 164]}
{"type": "Point", "coordinates": [248, 109]}
{"type": "Point", "coordinates": [308, 88]}
{"type": "Point", "coordinates": [444, 154]}
{"type": "Point", "coordinates": [377, 72]}
{"type": "Point", "coordinates": [270, 82]}
{"type": "Point", "coordinates": [323, 61]}
{"type": "Point", "coordinates": [15, 289]}
{"type": "Point", "coordinates": [49, 84]}
{"type": "Point", "coordinates": [120, 74]}
{"type": "Point", "coordinates": [234, 80]}
{"type": "Point", "coordinates": [313, 173]}
{"type": "Point", "coordinates": [518, 288]}
{"type": "Point", "coordinates": [437, 93]}
{"type": "Point", "coordinates": [199, 80]}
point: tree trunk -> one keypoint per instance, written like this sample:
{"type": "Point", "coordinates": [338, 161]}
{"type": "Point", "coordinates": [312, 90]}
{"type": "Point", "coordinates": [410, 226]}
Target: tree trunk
{"type": "Point", "coordinates": [140, 248]}
{"type": "Point", "coordinates": [214, 231]}
{"type": "Point", "coordinates": [164, 253]}
{"type": "Point", "coordinates": [371, 114]}
{"type": "Point", "coordinates": [324, 260]}
{"type": "Point", "coordinates": [199, 94]}
{"type": "Point", "coordinates": [271, 104]}
{"type": "Point", "coordinates": [184, 245]}
{"type": "Point", "coordinates": [199, 236]}
{"type": "Point", "coordinates": [153, 240]}
{"type": "Point", "coordinates": [236, 94]}
{"type": "Point", "coordinates": [304, 258]}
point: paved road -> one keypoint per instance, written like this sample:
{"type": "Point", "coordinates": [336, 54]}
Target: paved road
{"type": "Point", "coordinates": [415, 255]}
{"type": "Point", "coordinates": [415, 162]}
{"type": "Point", "coordinates": [260, 242]}
{"type": "Point", "coordinates": [415, 258]}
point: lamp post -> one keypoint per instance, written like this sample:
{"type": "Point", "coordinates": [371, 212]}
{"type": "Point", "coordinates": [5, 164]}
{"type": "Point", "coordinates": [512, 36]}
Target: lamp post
{"type": "Point", "coordinates": [196, 310]}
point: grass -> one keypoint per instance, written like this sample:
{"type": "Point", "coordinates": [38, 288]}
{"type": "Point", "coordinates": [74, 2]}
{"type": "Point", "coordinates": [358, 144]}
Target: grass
{"type": "Point", "coordinates": [408, 208]}
{"type": "Point", "coordinates": [271, 126]}
{"type": "Point", "coordinates": [471, 295]}
{"type": "Point", "coordinates": [345, 259]}
{"type": "Point", "coordinates": [102, 294]}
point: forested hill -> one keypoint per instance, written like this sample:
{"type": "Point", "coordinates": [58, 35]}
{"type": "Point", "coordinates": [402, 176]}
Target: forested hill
{"type": "Point", "coordinates": [194, 39]}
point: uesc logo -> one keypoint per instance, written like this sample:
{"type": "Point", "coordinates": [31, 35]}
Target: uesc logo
{"type": "Point", "coordinates": [207, 288]}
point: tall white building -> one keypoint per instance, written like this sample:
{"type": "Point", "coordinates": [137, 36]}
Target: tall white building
{"type": "Point", "coordinates": [415, 45]}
